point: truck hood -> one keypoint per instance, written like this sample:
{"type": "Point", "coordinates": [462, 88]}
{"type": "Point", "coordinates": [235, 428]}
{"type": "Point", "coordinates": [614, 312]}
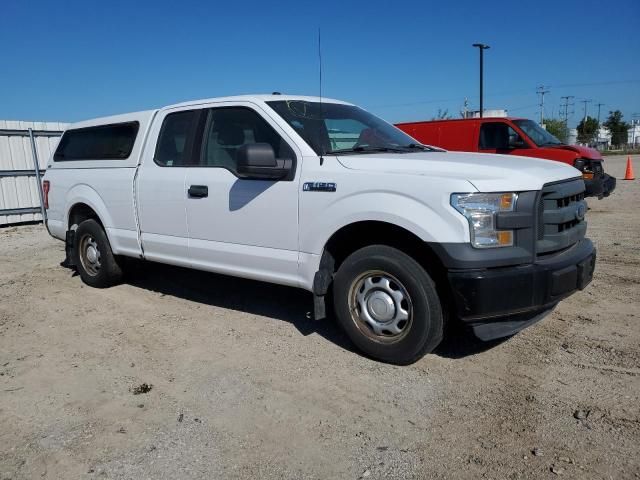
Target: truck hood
{"type": "Point", "coordinates": [584, 152]}
{"type": "Point", "coordinates": [488, 173]}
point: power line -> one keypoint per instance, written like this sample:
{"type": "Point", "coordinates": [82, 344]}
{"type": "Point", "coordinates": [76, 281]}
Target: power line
{"type": "Point", "coordinates": [505, 93]}
{"type": "Point", "coordinates": [525, 107]}
{"type": "Point", "coordinates": [593, 84]}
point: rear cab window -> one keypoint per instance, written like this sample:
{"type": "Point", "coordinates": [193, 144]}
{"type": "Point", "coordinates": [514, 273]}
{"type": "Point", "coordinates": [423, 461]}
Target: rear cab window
{"type": "Point", "coordinates": [177, 139]}
{"type": "Point", "coordinates": [102, 142]}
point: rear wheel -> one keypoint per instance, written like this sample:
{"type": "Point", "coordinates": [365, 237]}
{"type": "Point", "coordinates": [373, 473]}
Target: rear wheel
{"type": "Point", "coordinates": [388, 305]}
{"type": "Point", "coordinates": [94, 258]}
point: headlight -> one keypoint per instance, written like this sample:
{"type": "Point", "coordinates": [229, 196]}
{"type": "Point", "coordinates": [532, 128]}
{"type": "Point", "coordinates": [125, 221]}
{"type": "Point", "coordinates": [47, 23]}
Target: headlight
{"type": "Point", "coordinates": [480, 209]}
{"type": "Point", "coordinates": [585, 166]}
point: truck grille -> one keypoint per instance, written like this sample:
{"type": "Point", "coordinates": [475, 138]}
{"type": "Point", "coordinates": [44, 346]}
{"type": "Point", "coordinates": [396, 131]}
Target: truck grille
{"type": "Point", "coordinates": [561, 210]}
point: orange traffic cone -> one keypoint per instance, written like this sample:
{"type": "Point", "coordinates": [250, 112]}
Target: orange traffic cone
{"type": "Point", "coordinates": [628, 175]}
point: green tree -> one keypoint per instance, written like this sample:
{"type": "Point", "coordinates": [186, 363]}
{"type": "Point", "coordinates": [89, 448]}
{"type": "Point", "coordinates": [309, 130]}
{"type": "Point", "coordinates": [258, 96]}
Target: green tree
{"type": "Point", "coordinates": [557, 128]}
{"type": "Point", "coordinates": [587, 130]}
{"type": "Point", "coordinates": [617, 128]}
{"type": "Point", "coordinates": [442, 115]}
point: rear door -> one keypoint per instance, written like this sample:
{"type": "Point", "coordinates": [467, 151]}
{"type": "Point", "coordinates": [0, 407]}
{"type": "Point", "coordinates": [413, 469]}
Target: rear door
{"type": "Point", "coordinates": [245, 227]}
{"type": "Point", "coordinates": [161, 193]}
{"type": "Point", "coordinates": [458, 135]}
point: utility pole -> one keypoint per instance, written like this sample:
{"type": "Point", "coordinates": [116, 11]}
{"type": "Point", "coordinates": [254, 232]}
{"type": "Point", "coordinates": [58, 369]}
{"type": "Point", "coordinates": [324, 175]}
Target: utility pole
{"type": "Point", "coordinates": [465, 107]}
{"type": "Point", "coordinates": [599, 105]}
{"type": "Point", "coordinates": [541, 91]}
{"type": "Point", "coordinates": [482, 47]}
{"type": "Point", "coordinates": [585, 108]}
{"type": "Point", "coordinates": [565, 105]}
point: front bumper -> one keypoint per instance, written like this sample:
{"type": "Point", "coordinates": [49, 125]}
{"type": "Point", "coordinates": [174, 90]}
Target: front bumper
{"type": "Point", "coordinates": [497, 302]}
{"type": "Point", "coordinates": [600, 187]}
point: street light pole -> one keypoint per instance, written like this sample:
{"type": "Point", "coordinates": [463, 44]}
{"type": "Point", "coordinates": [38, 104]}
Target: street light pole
{"type": "Point", "coordinates": [482, 47]}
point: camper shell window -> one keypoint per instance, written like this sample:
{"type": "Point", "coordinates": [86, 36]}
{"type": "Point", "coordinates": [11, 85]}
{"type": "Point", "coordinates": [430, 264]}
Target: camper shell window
{"type": "Point", "coordinates": [102, 142]}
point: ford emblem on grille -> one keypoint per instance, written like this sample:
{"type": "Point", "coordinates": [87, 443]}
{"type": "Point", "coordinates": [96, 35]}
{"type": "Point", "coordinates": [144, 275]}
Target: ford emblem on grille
{"type": "Point", "coordinates": [580, 211]}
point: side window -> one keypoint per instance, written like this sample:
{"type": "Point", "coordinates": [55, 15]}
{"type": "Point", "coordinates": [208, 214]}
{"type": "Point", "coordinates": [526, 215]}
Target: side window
{"type": "Point", "coordinates": [344, 133]}
{"type": "Point", "coordinates": [176, 140]}
{"type": "Point", "coordinates": [103, 142]}
{"type": "Point", "coordinates": [229, 128]}
{"type": "Point", "coordinates": [498, 136]}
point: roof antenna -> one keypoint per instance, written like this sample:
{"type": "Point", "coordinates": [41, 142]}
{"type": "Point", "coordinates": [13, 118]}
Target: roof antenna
{"type": "Point", "coordinates": [320, 88]}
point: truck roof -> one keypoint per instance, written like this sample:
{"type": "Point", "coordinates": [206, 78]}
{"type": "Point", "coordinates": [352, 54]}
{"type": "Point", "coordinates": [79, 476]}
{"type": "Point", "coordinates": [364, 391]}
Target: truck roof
{"type": "Point", "coordinates": [259, 98]}
{"type": "Point", "coordinates": [143, 116]}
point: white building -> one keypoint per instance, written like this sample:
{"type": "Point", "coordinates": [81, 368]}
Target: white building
{"type": "Point", "coordinates": [573, 136]}
{"type": "Point", "coordinates": [499, 112]}
{"type": "Point", "coordinates": [603, 138]}
{"type": "Point", "coordinates": [634, 133]}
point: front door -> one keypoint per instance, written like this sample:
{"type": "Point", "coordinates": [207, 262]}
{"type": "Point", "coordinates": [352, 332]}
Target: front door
{"type": "Point", "coordinates": [245, 227]}
{"type": "Point", "coordinates": [500, 137]}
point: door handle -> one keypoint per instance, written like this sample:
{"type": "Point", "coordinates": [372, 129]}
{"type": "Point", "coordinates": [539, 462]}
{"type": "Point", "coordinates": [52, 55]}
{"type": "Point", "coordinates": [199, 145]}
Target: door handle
{"type": "Point", "coordinates": [198, 191]}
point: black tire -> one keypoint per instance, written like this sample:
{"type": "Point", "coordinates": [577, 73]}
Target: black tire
{"type": "Point", "coordinates": [105, 272]}
{"type": "Point", "coordinates": [372, 267]}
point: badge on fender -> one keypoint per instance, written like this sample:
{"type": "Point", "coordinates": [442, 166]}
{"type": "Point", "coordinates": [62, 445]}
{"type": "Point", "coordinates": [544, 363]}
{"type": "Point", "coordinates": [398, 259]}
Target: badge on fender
{"type": "Point", "coordinates": [319, 187]}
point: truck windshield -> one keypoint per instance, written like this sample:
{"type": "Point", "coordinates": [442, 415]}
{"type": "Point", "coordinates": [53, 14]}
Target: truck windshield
{"type": "Point", "coordinates": [344, 129]}
{"type": "Point", "coordinates": [536, 133]}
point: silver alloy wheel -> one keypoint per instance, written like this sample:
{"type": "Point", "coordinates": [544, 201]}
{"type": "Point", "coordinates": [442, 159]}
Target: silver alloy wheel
{"type": "Point", "coordinates": [89, 255]}
{"type": "Point", "coordinates": [380, 306]}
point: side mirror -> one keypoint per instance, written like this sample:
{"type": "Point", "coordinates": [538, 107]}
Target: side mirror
{"type": "Point", "coordinates": [258, 161]}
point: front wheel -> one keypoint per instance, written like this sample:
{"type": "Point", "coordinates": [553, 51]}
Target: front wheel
{"type": "Point", "coordinates": [388, 305]}
{"type": "Point", "coordinates": [94, 258]}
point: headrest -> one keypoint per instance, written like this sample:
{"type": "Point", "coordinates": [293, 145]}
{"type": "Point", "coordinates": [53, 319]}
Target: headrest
{"type": "Point", "coordinates": [230, 134]}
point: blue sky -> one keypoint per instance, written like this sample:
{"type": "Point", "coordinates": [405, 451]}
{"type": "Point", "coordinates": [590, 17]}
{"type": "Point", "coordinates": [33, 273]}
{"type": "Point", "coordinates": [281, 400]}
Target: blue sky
{"type": "Point", "coordinates": [72, 60]}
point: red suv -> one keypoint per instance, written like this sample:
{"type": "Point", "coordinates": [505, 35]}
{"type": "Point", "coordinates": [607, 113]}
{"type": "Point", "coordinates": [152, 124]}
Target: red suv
{"type": "Point", "coordinates": [513, 136]}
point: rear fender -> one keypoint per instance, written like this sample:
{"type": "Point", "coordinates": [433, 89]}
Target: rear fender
{"type": "Point", "coordinates": [83, 193]}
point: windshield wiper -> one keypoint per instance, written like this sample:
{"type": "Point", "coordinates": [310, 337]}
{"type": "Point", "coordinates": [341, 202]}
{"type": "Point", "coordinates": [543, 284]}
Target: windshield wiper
{"type": "Point", "coordinates": [367, 149]}
{"type": "Point", "coordinates": [420, 146]}
{"type": "Point", "coordinates": [417, 146]}
{"type": "Point", "coordinates": [424, 148]}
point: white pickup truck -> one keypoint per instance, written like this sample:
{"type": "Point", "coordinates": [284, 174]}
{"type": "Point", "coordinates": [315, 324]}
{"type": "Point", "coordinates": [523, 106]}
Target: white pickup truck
{"type": "Point", "coordinates": [322, 195]}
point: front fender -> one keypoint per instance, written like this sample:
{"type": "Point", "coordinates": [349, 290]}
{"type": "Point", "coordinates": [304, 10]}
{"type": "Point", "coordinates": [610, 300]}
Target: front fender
{"type": "Point", "coordinates": [440, 223]}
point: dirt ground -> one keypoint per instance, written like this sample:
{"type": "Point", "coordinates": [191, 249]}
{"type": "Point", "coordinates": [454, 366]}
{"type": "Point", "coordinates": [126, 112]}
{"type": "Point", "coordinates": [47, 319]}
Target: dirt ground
{"type": "Point", "coordinates": [244, 385]}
